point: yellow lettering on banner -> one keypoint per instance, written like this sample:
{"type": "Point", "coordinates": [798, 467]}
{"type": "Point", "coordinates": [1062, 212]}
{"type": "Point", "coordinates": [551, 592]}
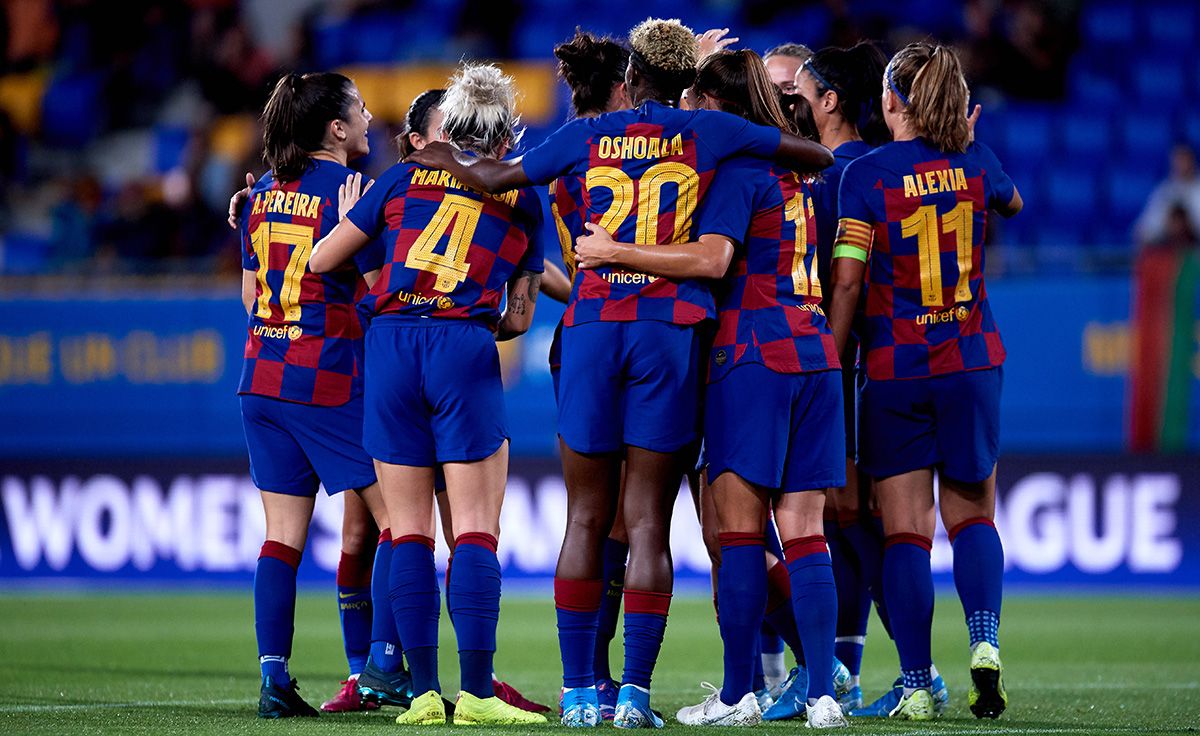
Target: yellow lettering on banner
{"type": "Point", "coordinates": [25, 359]}
{"type": "Point", "coordinates": [88, 358]}
{"type": "Point", "coordinates": [1106, 348]}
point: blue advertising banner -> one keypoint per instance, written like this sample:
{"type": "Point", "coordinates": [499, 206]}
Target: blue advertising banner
{"type": "Point", "coordinates": [1131, 522]}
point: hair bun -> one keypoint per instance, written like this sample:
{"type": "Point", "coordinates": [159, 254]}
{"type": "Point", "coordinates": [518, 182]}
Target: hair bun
{"type": "Point", "coordinates": [481, 86]}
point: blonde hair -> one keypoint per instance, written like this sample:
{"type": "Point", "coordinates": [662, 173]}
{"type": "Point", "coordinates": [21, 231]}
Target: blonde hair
{"type": "Point", "coordinates": [478, 110]}
{"type": "Point", "coordinates": [928, 79]}
{"type": "Point", "coordinates": [666, 44]}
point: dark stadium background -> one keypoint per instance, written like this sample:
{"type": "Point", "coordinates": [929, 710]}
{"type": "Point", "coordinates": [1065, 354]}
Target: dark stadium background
{"type": "Point", "coordinates": [125, 126]}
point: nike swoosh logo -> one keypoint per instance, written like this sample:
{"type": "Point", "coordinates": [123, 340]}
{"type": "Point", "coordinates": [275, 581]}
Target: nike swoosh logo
{"type": "Point", "coordinates": [344, 596]}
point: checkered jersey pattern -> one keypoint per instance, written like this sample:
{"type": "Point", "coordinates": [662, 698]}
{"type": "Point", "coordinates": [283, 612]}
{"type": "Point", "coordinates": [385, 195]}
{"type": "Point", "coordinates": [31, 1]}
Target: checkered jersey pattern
{"type": "Point", "coordinates": [305, 335]}
{"type": "Point", "coordinates": [640, 174]}
{"type": "Point", "coordinates": [449, 251]}
{"type": "Point", "coordinates": [921, 214]}
{"type": "Point", "coordinates": [769, 311]}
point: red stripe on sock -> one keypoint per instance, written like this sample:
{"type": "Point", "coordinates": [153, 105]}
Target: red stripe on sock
{"type": "Point", "coordinates": [794, 549]}
{"type": "Point", "coordinates": [741, 539]}
{"type": "Point", "coordinates": [647, 601]}
{"type": "Point", "coordinates": [966, 523]}
{"type": "Point", "coordinates": [479, 539]}
{"type": "Point", "coordinates": [418, 538]}
{"type": "Point", "coordinates": [354, 571]}
{"type": "Point", "coordinates": [779, 587]}
{"type": "Point", "coordinates": [918, 540]}
{"type": "Point", "coordinates": [581, 596]}
{"type": "Point", "coordinates": [385, 536]}
{"type": "Point", "coordinates": [282, 552]}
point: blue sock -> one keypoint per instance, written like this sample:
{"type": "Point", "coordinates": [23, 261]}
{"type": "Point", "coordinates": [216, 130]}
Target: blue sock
{"type": "Point", "coordinates": [474, 602]}
{"type": "Point", "coordinates": [645, 623]}
{"type": "Point", "coordinates": [275, 608]}
{"type": "Point", "coordinates": [354, 609]}
{"type": "Point", "coordinates": [577, 607]}
{"type": "Point", "coordinates": [854, 600]}
{"type": "Point", "coordinates": [866, 539]}
{"type": "Point", "coordinates": [759, 681]}
{"type": "Point", "coordinates": [614, 558]}
{"type": "Point", "coordinates": [780, 616]}
{"type": "Point", "coordinates": [386, 652]}
{"type": "Point", "coordinates": [978, 576]}
{"type": "Point", "coordinates": [910, 604]}
{"type": "Point", "coordinates": [742, 598]}
{"type": "Point", "coordinates": [814, 600]}
{"type": "Point", "coordinates": [416, 605]}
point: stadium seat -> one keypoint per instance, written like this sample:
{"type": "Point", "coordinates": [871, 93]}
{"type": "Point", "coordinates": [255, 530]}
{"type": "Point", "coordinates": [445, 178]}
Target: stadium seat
{"type": "Point", "coordinates": [1071, 186]}
{"type": "Point", "coordinates": [1159, 80]}
{"type": "Point", "coordinates": [1126, 189]}
{"type": "Point", "coordinates": [1172, 24]}
{"type": "Point", "coordinates": [1110, 23]}
{"type": "Point", "coordinates": [1087, 133]}
{"type": "Point", "coordinates": [1028, 131]}
{"type": "Point", "coordinates": [169, 146]}
{"type": "Point", "coordinates": [72, 109]}
{"type": "Point", "coordinates": [1092, 86]}
{"type": "Point", "coordinates": [1146, 130]}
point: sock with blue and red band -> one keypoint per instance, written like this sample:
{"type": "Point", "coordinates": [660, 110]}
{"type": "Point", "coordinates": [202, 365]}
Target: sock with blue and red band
{"type": "Point", "coordinates": [275, 608]}
{"type": "Point", "coordinates": [780, 615]}
{"type": "Point", "coordinates": [577, 607]}
{"type": "Point", "coordinates": [474, 604]}
{"type": "Point", "coordinates": [910, 604]}
{"type": "Point", "coordinates": [742, 598]}
{"type": "Point", "coordinates": [386, 651]}
{"type": "Point", "coordinates": [814, 602]}
{"type": "Point", "coordinates": [978, 576]}
{"type": "Point", "coordinates": [354, 608]}
{"type": "Point", "coordinates": [416, 606]}
{"type": "Point", "coordinates": [614, 558]}
{"type": "Point", "coordinates": [645, 624]}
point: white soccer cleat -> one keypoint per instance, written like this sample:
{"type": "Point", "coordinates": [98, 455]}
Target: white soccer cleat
{"type": "Point", "coordinates": [712, 712]}
{"type": "Point", "coordinates": [826, 713]}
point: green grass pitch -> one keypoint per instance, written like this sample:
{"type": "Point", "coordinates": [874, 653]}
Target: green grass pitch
{"type": "Point", "coordinates": [185, 664]}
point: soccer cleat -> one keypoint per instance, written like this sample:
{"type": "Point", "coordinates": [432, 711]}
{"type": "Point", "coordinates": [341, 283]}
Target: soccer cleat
{"type": "Point", "coordinates": [794, 700]}
{"type": "Point", "coordinates": [347, 700]}
{"type": "Point", "coordinates": [282, 702]}
{"type": "Point", "coordinates": [606, 695]}
{"type": "Point", "coordinates": [986, 697]}
{"type": "Point", "coordinates": [916, 706]}
{"type": "Point", "coordinates": [580, 707]}
{"type": "Point", "coordinates": [852, 700]}
{"type": "Point", "coordinates": [825, 713]}
{"type": "Point", "coordinates": [426, 710]}
{"type": "Point", "coordinates": [385, 688]}
{"type": "Point", "coordinates": [941, 695]}
{"type": "Point", "coordinates": [633, 709]}
{"type": "Point", "coordinates": [841, 679]}
{"type": "Point", "coordinates": [882, 706]}
{"type": "Point", "coordinates": [471, 710]}
{"type": "Point", "coordinates": [512, 696]}
{"type": "Point", "coordinates": [712, 712]}
{"type": "Point", "coordinates": [764, 698]}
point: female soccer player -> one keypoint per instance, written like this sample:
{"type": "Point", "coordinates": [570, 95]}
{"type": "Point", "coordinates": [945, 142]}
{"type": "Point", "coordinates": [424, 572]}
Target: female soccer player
{"type": "Point", "coordinates": [912, 215]}
{"type": "Point", "coordinates": [773, 343]}
{"type": "Point", "coordinates": [433, 391]}
{"type": "Point", "coordinates": [301, 386]}
{"type": "Point", "coordinates": [422, 122]}
{"type": "Point", "coordinates": [629, 382]}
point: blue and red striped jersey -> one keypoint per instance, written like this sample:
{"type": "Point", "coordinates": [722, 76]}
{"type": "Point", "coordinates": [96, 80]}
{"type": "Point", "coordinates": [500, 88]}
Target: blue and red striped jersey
{"type": "Point", "coordinates": [448, 251]}
{"type": "Point", "coordinates": [920, 214]}
{"type": "Point", "coordinates": [825, 203]}
{"type": "Point", "coordinates": [640, 174]}
{"type": "Point", "coordinates": [769, 309]}
{"type": "Point", "coordinates": [305, 335]}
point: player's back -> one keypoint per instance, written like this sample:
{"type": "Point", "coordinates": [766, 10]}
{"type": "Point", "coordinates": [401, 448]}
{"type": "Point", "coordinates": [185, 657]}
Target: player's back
{"type": "Point", "coordinates": [448, 250]}
{"type": "Point", "coordinates": [923, 213]}
{"type": "Point", "coordinates": [304, 331]}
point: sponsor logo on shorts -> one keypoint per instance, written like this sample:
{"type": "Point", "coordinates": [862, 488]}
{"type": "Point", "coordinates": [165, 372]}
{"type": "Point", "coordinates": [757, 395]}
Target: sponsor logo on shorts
{"type": "Point", "coordinates": [958, 314]}
{"type": "Point", "coordinates": [294, 332]}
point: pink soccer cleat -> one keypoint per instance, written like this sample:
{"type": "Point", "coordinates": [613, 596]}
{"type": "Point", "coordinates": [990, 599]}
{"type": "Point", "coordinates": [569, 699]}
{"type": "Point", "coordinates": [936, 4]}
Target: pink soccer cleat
{"type": "Point", "coordinates": [347, 700]}
{"type": "Point", "coordinates": [510, 695]}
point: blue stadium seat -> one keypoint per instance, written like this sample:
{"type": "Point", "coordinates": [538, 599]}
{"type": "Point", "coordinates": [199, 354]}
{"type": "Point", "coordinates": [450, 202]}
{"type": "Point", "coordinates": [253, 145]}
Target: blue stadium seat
{"type": "Point", "coordinates": [23, 253]}
{"type": "Point", "coordinates": [1071, 186]}
{"type": "Point", "coordinates": [1159, 80]}
{"type": "Point", "coordinates": [1087, 133]}
{"type": "Point", "coordinates": [1126, 188]}
{"type": "Point", "coordinates": [1172, 24]}
{"type": "Point", "coordinates": [72, 109]}
{"type": "Point", "coordinates": [1028, 132]}
{"type": "Point", "coordinates": [1092, 86]}
{"type": "Point", "coordinates": [169, 146]}
{"type": "Point", "coordinates": [1110, 23]}
{"type": "Point", "coordinates": [1145, 132]}
{"type": "Point", "coordinates": [1191, 129]}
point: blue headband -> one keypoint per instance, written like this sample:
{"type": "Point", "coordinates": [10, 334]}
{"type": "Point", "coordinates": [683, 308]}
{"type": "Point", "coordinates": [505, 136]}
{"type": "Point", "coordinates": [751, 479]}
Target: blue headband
{"type": "Point", "coordinates": [812, 69]}
{"type": "Point", "coordinates": [892, 85]}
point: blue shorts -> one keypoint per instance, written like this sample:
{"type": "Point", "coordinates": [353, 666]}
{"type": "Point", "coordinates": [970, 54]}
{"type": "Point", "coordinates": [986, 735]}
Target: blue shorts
{"type": "Point", "coordinates": [949, 422]}
{"type": "Point", "coordinates": [433, 392]}
{"type": "Point", "coordinates": [781, 431]}
{"type": "Point", "coordinates": [296, 447]}
{"type": "Point", "coordinates": [629, 383]}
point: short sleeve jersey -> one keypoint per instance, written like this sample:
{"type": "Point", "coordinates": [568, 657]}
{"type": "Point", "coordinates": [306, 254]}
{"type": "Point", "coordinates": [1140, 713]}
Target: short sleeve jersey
{"type": "Point", "coordinates": [921, 214]}
{"type": "Point", "coordinates": [769, 311]}
{"type": "Point", "coordinates": [641, 175]}
{"type": "Point", "coordinates": [305, 335]}
{"type": "Point", "coordinates": [825, 203]}
{"type": "Point", "coordinates": [448, 250]}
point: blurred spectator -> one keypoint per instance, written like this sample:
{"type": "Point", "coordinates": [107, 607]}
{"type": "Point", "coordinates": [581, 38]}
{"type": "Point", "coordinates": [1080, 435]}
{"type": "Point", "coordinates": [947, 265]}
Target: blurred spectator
{"type": "Point", "coordinates": [1019, 47]}
{"type": "Point", "coordinates": [1177, 196]}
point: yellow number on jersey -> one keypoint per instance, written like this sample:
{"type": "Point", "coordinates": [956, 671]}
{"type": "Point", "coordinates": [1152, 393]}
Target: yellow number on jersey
{"type": "Point", "coordinates": [924, 225]}
{"type": "Point", "coordinates": [798, 210]}
{"type": "Point", "coordinates": [456, 217]}
{"type": "Point", "coordinates": [300, 238]}
{"type": "Point", "coordinates": [649, 199]}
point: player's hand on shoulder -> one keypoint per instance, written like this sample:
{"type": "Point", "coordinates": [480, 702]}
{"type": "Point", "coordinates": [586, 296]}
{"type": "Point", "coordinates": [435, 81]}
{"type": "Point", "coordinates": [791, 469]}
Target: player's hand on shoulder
{"type": "Point", "coordinates": [596, 248]}
{"type": "Point", "coordinates": [350, 192]}
{"type": "Point", "coordinates": [435, 155]}
{"type": "Point", "coordinates": [973, 118]}
{"type": "Point", "coordinates": [238, 200]}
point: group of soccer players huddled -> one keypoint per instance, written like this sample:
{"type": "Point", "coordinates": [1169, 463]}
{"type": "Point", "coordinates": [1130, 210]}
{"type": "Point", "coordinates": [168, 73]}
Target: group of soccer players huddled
{"type": "Point", "coordinates": [774, 287]}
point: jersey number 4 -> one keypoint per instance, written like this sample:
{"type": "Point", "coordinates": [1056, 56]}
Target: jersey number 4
{"type": "Point", "coordinates": [300, 239]}
{"type": "Point", "coordinates": [927, 227]}
{"type": "Point", "coordinates": [456, 217]}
